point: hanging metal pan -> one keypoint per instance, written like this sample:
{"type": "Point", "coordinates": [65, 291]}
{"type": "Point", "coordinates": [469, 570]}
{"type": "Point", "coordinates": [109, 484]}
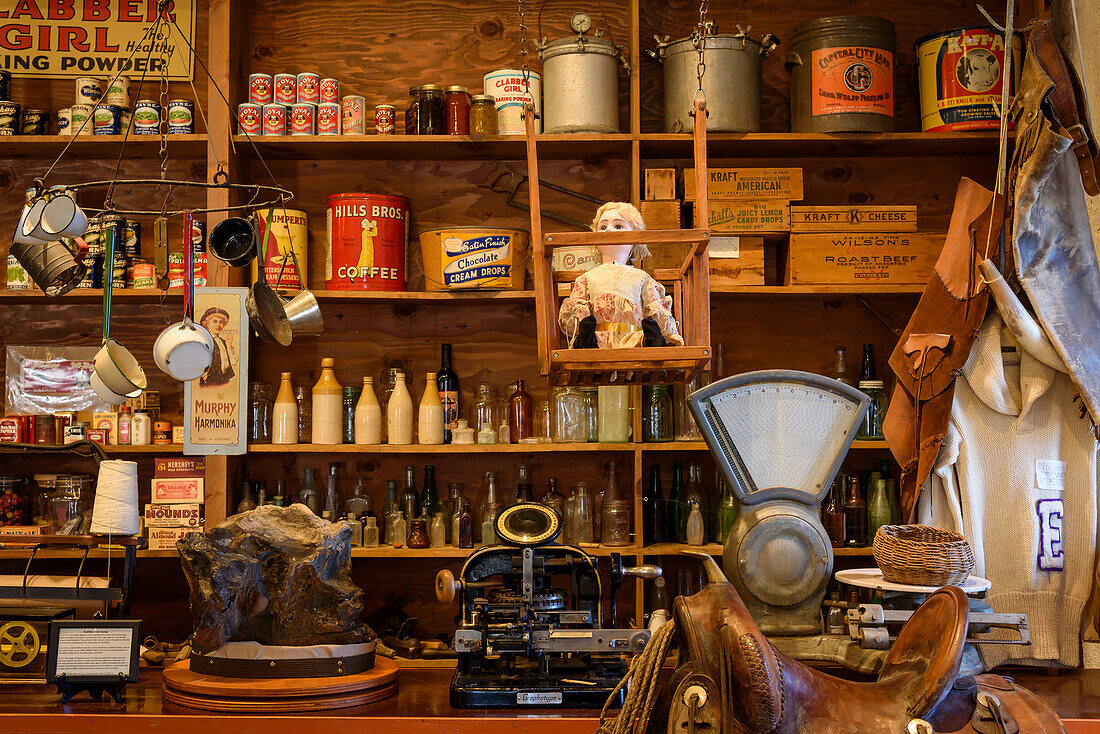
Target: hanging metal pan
{"type": "Point", "coordinates": [265, 309]}
{"type": "Point", "coordinates": [303, 311]}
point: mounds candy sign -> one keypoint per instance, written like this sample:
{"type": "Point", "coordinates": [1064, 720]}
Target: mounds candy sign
{"type": "Point", "coordinates": [73, 38]}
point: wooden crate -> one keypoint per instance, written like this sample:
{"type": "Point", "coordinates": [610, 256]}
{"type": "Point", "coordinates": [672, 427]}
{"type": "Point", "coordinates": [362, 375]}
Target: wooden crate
{"type": "Point", "coordinates": [862, 257]}
{"type": "Point", "coordinates": [661, 214]}
{"type": "Point", "coordinates": [898, 218]}
{"type": "Point", "coordinates": [748, 217]}
{"type": "Point", "coordinates": [736, 260]}
{"type": "Point", "coordinates": [660, 183]}
{"type": "Point", "coordinates": [748, 183]}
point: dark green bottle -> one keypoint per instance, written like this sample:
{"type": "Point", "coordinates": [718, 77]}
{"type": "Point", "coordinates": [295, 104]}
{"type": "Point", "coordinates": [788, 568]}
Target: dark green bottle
{"type": "Point", "coordinates": [429, 499]}
{"type": "Point", "coordinates": [677, 510]}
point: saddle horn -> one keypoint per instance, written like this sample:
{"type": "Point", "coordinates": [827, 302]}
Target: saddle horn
{"type": "Point", "coordinates": [714, 573]}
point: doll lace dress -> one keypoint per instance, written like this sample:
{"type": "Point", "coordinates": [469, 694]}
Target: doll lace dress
{"type": "Point", "coordinates": [619, 297]}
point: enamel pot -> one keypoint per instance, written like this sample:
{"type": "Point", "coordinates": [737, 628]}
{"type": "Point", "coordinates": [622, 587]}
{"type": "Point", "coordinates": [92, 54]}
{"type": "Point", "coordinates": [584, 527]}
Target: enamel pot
{"type": "Point", "coordinates": [185, 349]}
{"type": "Point", "coordinates": [116, 369]}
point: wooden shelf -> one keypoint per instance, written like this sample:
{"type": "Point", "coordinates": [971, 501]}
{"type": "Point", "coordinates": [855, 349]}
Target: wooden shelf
{"type": "Point", "coordinates": [10, 552]}
{"type": "Point", "coordinates": [818, 290]}
{"type": "Point", "coordinates": [91, 295]}
{"type": "Point", "coordinates": [814, 145]}
{"type": "Point", "coordinates": [715, 549]}
{"type": "Point", "coordinates": [101, 146]}
{"type": "Point", "coordinates": [172, 448]}
{"type": "Point", "coordinates": [388, 296]}
{"type": "Point", "coordinates": [449, 449]}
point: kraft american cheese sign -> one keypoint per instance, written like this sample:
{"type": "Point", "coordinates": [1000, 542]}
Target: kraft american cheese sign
{"type": "Point", "coordinates": [100, 38]}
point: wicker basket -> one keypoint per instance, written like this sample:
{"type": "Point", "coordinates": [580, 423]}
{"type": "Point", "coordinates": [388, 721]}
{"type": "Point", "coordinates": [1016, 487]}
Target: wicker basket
{"type": "Point", "coordinates": [920, 555]}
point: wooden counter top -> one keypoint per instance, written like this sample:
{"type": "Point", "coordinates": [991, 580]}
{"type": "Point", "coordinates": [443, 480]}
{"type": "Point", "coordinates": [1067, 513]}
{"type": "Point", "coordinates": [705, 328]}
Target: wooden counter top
{"type": "Point", "coordinates": [420, 705]}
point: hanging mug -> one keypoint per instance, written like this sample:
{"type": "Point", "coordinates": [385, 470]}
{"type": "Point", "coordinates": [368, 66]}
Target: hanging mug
{"type": "Point", "coordinates": [28, 231]}
{"type": "Point", "coordinates": [61, 217]}
{"type": "Point", "coordinates": [233, 241]}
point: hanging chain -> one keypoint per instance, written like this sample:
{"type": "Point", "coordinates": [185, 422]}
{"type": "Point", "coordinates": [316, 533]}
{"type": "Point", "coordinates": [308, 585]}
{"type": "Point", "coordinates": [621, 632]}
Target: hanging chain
{"type": "Point", "coordinates": [523, 49]}
{"type": "Point", "coordinates": [163, 127]}
{"type": "Point", "coordinates": [700, 41]}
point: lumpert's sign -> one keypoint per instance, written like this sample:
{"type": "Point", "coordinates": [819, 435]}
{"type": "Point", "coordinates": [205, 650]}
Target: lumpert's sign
{"type": "Point", "coordinates": [72, 38]}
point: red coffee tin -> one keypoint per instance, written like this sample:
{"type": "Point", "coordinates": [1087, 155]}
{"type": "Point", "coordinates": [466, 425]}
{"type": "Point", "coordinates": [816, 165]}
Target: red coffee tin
{"type": "Point", "coordinates": [385, 117]}
{"type": "Point", "coordinates": [330, 90]}
{"type": "Point", "coordinates": [261, 89]}
{"type": "Point", "coordinates": [367, 235]}
{"type": "Point", "coordinates": [286, 88]}
{"type": "Point", "coordinates": [303, 119]}
{"type": "Point", "coordinates": [328, 118]}
{"type": "Point", "coordinates": [274, 119]}
{"type": "Point", "coordinates": [249, 118]}
{"type": "Point", "coordinates": [309, 87]}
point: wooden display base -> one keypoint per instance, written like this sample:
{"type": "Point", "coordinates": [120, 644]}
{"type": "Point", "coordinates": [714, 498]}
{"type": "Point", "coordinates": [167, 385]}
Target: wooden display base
{"type": "Point", "coordinates": [184, 687]}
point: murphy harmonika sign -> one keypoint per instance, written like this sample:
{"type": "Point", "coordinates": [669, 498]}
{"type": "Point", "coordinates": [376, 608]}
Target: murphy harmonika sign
{"type": "Point", "coordinates": [74, 38]}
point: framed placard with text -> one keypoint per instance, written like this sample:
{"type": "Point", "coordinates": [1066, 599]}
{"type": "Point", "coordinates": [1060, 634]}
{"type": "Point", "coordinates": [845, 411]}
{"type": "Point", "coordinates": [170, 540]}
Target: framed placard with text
{"type": "Point", "coordinates": [93, 653]}
{"type": "Point", "coordinates": [215, 406]}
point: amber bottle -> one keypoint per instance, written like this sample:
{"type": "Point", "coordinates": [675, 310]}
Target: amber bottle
{"type": "Point", "coordinates": [521, 414]}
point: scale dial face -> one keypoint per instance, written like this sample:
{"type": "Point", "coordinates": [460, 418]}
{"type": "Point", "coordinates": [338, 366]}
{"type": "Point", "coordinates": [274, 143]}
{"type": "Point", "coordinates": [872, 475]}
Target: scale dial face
{"type": "Point", "coordinates": [580, 22]}
{"type": "Point", "coordinates": [528, 524]}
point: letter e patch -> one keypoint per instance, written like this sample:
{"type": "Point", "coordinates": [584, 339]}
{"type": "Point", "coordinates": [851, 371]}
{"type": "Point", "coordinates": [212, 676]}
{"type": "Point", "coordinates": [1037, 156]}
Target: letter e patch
{"type": "Point", "coordinates": [1050, 556]}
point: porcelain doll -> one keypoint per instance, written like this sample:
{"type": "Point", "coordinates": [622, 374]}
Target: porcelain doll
{"type": "Point", "coordinates": [617, 304]}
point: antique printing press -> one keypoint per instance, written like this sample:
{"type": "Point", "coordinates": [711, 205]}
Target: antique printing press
{"type": "Point", "coordinates": [531, 619]}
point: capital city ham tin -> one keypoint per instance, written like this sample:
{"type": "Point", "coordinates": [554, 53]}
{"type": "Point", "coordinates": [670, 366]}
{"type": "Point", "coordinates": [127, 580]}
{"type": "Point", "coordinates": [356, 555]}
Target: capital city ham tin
{"type": "Point", "coordinates": [366, 237]}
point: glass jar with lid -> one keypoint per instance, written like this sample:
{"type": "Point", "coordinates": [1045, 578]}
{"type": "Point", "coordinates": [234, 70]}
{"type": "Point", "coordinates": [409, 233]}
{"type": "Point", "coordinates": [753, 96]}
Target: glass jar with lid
{"type": "Point", "coordinates": [456, 110]}
{"type": "Point", "coordinates": [411, 127]}
{"type": "Point", "coordinates": [686, 429]}
{"type": "Point", "coordinates": [429, 110]}
{"type": "Point", "coordinates": [614, 413]}
{"type": "Point", "coordinates": [483, 115]}
{"type": "Point", "coordinates": [656, 414]}
{"type": "Point", "coordinates": [486, 407]}
{"type": "Point", "coordinates": [66, 515]}
{"type": "Point", "coordinates": [871, 427]}
{"type": "Point", "coordinates": [141, 428]}
{"type": "Point", "coordinates": [570, 416]}
{"type": "Point", "coordinates": [260, 403]}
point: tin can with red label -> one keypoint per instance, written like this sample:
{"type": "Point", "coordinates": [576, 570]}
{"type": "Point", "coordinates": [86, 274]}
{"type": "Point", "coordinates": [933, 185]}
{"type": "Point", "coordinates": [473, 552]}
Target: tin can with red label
{"type": "Point", "coordinates": [328, 118]}
{"type": "Point", "coordinates": [286, 89]}
{"type": "Point", "coordinates": [309, 87]}
{"type": "Point", "coordinates": [330, 90]}
{"type": "Point", "coordinates": [303, 119]}
{"type": "Point", "coordinates": [274, 119]}
{"type": "Point", "coordinates": [261, 89]}
{"type": "Point", "coordinates": [249, 119]}
{"type": "Point", "coordinates": [11, 430]}
{"type": "Point", "coordinates": [366, 234]}
{"type": "Point", "coordinates": [353, 108]}
{"type": "Point", "coordinates": [385, 117]}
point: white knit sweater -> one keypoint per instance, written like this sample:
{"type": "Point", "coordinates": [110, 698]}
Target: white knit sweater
{"type": "Point", "coordinates": [1000, 481]}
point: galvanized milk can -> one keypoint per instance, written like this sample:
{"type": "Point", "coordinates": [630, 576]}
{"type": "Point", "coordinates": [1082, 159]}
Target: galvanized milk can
{"type": "Point", "coordinates": [580, 82]}
{"type": "Point", "coordinates": [731, 82]}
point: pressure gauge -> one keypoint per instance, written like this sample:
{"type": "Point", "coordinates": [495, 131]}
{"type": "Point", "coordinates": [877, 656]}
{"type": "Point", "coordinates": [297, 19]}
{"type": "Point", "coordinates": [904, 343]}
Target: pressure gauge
{"type": "Point", "coordinates": [528, 523]}
{"type": "Point", "coordinates": [580, 22]}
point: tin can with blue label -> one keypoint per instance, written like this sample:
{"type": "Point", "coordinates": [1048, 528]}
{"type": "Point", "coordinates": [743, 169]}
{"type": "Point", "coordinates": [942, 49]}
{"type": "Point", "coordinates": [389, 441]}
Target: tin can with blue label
{"type": "Point", "coordinates": [9, 118]}
{"type": "Point", "coordinates": [35, 122]}
{"type": "Point", "coordinates": [107, 119]}
{"type": "Point", "coordinates": [88, 90]}
{"type": "Point", "coordinates": [65, 121]}
{"type": "Point", "coordinates": [131, 238]}
{"type": "Point", "coordinates": [474, 257]}
{"type": "Point", "coordinates": [181, 117]}
{"type": "Point", "coordinates": [93, 277]}
{"type": "Point", "coordinates": [147, 117]}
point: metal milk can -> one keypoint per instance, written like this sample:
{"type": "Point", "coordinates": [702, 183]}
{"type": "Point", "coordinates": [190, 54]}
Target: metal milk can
{"type": "Point", "coordinates": [731, 82]}
{"type": "Point", "coordinates": [580, 81]}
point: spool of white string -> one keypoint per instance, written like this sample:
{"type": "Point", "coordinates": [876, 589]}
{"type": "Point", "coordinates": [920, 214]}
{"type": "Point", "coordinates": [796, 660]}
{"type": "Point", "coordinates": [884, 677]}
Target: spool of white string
{"type": "Point", "coordinates": [115, 511]}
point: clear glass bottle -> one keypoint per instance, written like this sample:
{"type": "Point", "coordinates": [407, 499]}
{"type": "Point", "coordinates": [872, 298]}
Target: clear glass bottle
{"type": "Point", "coordinates": [305, 414]}
{"type": "Point", "coordinates": [246, 503]}
{"type": "Point", "coordinates": [278, 498]}
{"type": "Point", "coordinates": [359, 504]}
{"type": "Point", "coordinates": [583, 525]}
{"type": "Point", "coordinates": [654, 523]}
{"type": "Point", "coordinates": [521, 419]}
{"type": "Point", "coordinates": [430, 423]}
{"type": "Point", "coordinates": [370, 532]}
{"type": "Point", "coordinates": [728, 509]}
{"type": "Point", "coordinates": [410, 498]}
{"type": "Point", "coordinates": [524, 487]}
{"type": "Point", "coordinates": [368, 416]}
{"type": "Point", "coordinates": [569, 518]}
{"type": "Point", "coordinates": [400, 530]}
{"type": "Point", "coordinates": [284, 414]}
{"type": "Point", "coordinates": [429, 497]}
{"type": "Point", "coordinates": [332, 493]}
{"type": "Point", "coordinates": [840, 372]}
{"type": "Point", "coordinates": [614, 512]}
{"type": "Point", "coordinates": [259, 491]}
{"type": "Point", "coordinates": [328, 408]}
{"type": "Point", "coordinates": [259, 413]}
{"type": "Point", "coordinates": [141, 429]}
{"type": "Point", "coordinates": [309, 494]}
{"type": "Point", "coordinates": [356, 526]}
{"type": "Point", "coordinates": [494, 505]}
{"type": "Point", "coordinates": [351, 399]}
{"type": "Point", "coordinates": [686, 429]}
{"type": "Point", "coordinates": [485, 412]}
{"type": "Point", "coordinates": [399, 413]}
{"type": "Point", "coordinates": [614, 413]}
{"type": "Point", "coordinates": [694, 531]}
{"type": "Point", "coordinates": [390, 509]}
{"type": "Point", "coordinates": [592, 414]}
{"type": "Point", "coordinates": [656, 414]}
{"type": "Point", "coordinates": [871, 427]}
{"type": "Point", "coordinates": [553, 498]}
{"type": "Point", "coordinates": [694, 492]}
{"type": "Point", "coordinates": [570, 416]}
{"type": "Point", "coordinates": [544, 422]}
{"type": "Point", "coordinates": [437, 535]}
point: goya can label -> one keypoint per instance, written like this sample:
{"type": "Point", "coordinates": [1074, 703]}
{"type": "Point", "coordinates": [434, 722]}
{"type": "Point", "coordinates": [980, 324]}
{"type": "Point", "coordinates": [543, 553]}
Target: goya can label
{"type": "Point", "coordinates": [181, 116]}
{"type": "Point", "coordinates": [65, 121]}
{"type": "Point", "coordinates": [353, 109]}
{"type": "Point", "coordinates": [249, 119]}
{"type": "Point", "coordinates": [961, 76]}
{"type": "Point", "coordinates": [852, 79]}
{"type": "Point", "coordinates": [88, 90]}
{"type": "Point", "coordinates": [286, 89]}
{"type": "Point", "coordinates": [9, 118]}
{"type": "Point", "coordinates": [147, 117]}
{"type": "Point", "coordinates": [303, 119]}
{"type": "Point", "coordinates": [366, 234]}
{"type": "Point", "coordinates": [118, 93]}
{"type": "Point", "coordinates": [108, 119]}
{"type": "Point", "coordinates": [286, 232]}
{"type": "Point", "coordinates": [261, 89]}
{"type": "Point", "coordinates": [330, 90]}
{"type": "Point", "coordinates": [309, 87]}
{"type": "Point", "coordinates": [35, 122]}
{"type": "Point", "coordinates": [274, 119]}
{"type": "Point", "coordinates": [328, 118]}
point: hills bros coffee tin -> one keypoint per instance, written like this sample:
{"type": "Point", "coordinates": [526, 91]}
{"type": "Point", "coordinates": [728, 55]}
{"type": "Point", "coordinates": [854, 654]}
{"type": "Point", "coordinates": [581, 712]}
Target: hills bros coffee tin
{"type": "Point", "coordinates": [367, 235]}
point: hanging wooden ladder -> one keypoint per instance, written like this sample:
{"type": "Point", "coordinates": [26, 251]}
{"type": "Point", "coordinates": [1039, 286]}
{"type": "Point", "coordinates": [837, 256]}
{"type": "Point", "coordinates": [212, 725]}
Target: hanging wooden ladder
{"type": "Point", "coordinates": [688, 284]}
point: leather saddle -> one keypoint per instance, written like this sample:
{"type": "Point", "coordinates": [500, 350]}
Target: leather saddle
{"type": "Point", "coordinates": [749, 686]}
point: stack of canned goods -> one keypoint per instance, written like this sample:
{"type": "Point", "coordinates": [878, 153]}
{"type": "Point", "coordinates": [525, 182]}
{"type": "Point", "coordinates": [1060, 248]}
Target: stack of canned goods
{"type": "Point", "coordinates": [14, 120]}
{"type": "Point", "coordinates": [290, 104]}
{"type": "Point", "coordinates": [177, 267]}
{"type": "Point", "coordinates": [103, 107]}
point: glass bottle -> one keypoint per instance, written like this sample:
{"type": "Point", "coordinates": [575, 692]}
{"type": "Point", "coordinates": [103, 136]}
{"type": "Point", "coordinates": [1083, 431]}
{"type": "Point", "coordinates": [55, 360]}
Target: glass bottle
{"type": "Point", "coordinates": [386, 383]}
{"type": "Point", "coordinates": [569, 518]}
{"type": "Point", "coordinates": [544, 422]}
{"type": "Point", "coordinates": [328, 411]}
{"type": "Point", "coordinates": [504, 434]}
{"type": "Point", "coordinates": [524, 487]}
{"type": "Point", "coordinates": [879, 511]}
{"type": "Point", "coordinates": [259, 413]}
{"type": "Point", "coordinates": [447, 383]}
{"type": "Point", "coordinates": [483, 115]}
{"type": "Point", "coordinates": [871, 426]}
{"type": "Point", "coordinates": [418, 533]}
{"type": "Point", "coordinates": [430, 423]}
{"type": "Point", "coordinates": [351, 399]}
{"type": "Point", "coordinates": [582, 514]}
{"type": "Point", "coordinates": [438, 532]}
{"type": "Point", "coordinates": [429, 498]}
{"type": "Point", "coordinates": [359, 504]}
{"type": "Point", "coordinates": [494, 505]}
{"type": "Point", "coordinates": [656, 599]}
{"type": "Point", "coordinates": [614, 413]}
{"type": "Point", "coordinates": [840, 367]}
{"type": "Point", "coordinates": [832, 515]}
{"type": "Point", "coordinates": [456, 111]}
{"type": "Point", "coordinates": [615, 511]}
{"type": "Point", "coordinates": [125, 425]}
{"type": "Point", "coordinates": [332, 493]}
{"type": "Point", "coordinates": [895, 501]}
{"type": "Point", "coordinates": [676, 511]}
{"type": "Point", "coordinates": [552, 498]}
{"type": "Point", "coordinates": [429, 110]}
{"type": "Point", "coordinates": [391, 510]}
{"type": "Point", "coordinates": [686, 428]}
{"type": "Point", "coordinates": [867, 370]}
{"type": "Point", "coordinates": [368, 416]}
{"type": "Point", "coordinates": [411, 127]}
{"type": "Point", "coordinates": [400, 530]}
{"type": "Point", "coordinates": [653, 509]}
{"type": "Point", "coordinates": [570, 416]}
{"type": "Point", "coordinates": [246, 502]}
{"type": "Point", "coordinates": [521, 414]}
{"type": "Point", "coordinates": [462, 434]}
{"type": "Point", "coordinates": [284, 414]}
{"type": "Point", "coordinates": [410, 498]}
{"type": "Point", "coordinates": [356, 526]}
{"type": "Point", "coordinates": [592, 414]}
{"type": "Point", "coordinates": [399, 413]}
{"type": "Point", "coordinates": [279, 497]}
{"type": "Point", "coordinates": [450, 510]}
{"type": "Point", "coordinates": [657, 414]}
{"type": "Point", "coordinates": [141, 429]}
{"type": "Point", "coordinates": [728, 509]}
{"type": "Point", "coordinates": [259, 491]}
{"type": "Point", "coordinates": [694, 492]}
{"type": "Point", "coordinates": [370, 532]}
{"type": "Point", "coordinates": [465, 525]}
{"type": "Point", "coordinates": [485, 411]}
{"type": "Point", "coordinates": [855, 516]}
{"type": "Point", "coordinates": [305, 414]}
{"type": "Point", "coordinates": [309, 494]}
{"type": "Point", "coordinates": [694, 529]}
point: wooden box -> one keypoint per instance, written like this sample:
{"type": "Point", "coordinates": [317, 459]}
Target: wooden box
{"type": "Point", "coordinates": [736, 261]}
{"type": "Point", "coordinates": [660, 183]}
{"type": "Point", "coordinates": [165, 538]}
{"type": "Point", "coordinates": [899, 218]}
{"type": "Point", "coordinates": [862, 258]}
{"type": "Point", "coordinates": [748, 183]}
{"type": "Point", "coordinates": [748, 217]}
{"type": "Point", "coordinates": [173, 516]}
{"type": "Point", "coordinates": [661, 214]}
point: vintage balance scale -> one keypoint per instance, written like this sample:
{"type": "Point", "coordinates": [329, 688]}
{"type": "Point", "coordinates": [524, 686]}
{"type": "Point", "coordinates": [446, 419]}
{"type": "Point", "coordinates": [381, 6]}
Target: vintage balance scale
{"type": "Point", "coordinates": [779, 436]}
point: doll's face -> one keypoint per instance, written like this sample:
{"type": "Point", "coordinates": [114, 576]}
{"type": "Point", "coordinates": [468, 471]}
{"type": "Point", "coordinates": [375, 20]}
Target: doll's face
{"type": "Point", "coordinates": [612, 221]}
